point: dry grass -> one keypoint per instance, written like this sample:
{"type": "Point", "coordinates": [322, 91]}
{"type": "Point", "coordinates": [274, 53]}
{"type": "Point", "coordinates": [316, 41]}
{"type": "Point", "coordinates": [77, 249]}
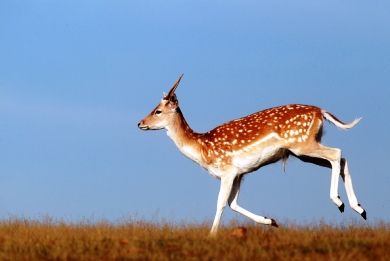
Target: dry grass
{"type": "Point", "coordinates": [23, 239]}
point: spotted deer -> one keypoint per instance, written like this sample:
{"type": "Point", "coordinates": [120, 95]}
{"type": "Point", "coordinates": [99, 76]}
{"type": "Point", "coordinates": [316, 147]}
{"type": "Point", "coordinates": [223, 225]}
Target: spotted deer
{"type": "Point", "coordinates": [244, 145]}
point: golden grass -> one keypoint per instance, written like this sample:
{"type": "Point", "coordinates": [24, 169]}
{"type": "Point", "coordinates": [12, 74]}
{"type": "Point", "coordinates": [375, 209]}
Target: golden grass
{"type": "Point", "coordinates": [24, 239]}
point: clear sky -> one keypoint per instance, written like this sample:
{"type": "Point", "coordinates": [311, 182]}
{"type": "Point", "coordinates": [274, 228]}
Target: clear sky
{"type": "Point", "coordinates": [76, 77]}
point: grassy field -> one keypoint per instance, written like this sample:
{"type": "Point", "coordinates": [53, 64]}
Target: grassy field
{"type": "Point", "coordinates": [47, 239]}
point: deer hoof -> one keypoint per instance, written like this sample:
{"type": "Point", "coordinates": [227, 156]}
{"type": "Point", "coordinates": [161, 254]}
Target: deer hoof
{"type": "Point", "coordinates": [364, 215]}
{"type": "Point", "coordinates": [273, 223]}
{"type": "Point", "coordinates": [341, 208]}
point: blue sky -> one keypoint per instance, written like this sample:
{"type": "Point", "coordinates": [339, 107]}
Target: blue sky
{"type": "Point", "coordinates": [77, 77]}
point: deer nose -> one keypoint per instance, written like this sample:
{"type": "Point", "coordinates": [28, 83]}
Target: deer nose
{"type": "Point", "coordinates": [140, 125]}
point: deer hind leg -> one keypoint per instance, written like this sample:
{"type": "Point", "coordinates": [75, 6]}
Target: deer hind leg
{"type": "Point", "coordinates": [353, 202]}
{"type": "Point", "coordinates": [233, 203]}
{"type": "Point", "coordinates": [345, 175]}
{"type": "Point", "coordinates": [331, 155]}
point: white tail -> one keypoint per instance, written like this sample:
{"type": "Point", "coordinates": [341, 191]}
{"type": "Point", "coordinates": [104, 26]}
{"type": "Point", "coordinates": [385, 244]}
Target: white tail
{"type": "Point", "coordinates": [337, 122]}
{"type": "Point", "coordinates": [244, 145]}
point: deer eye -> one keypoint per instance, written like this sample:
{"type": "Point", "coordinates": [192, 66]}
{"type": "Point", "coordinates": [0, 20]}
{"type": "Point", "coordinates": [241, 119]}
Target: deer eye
{"type": "Point", "coordinates": [157, 112]}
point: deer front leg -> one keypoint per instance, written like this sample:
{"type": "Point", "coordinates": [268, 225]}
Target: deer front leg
{"type": "Point", "coordinates": [233, 203]}
{"type": "Point", "coordinates": [224, 193]}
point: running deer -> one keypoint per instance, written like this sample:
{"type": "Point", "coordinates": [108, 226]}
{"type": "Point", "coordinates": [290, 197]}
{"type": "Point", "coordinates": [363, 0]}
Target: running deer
{"type": "Point", "coordinates": [244, 145]}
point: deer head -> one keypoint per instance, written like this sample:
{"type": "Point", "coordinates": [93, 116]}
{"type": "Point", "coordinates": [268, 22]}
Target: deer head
{"type": "Point", "coordinates": [163, 114]}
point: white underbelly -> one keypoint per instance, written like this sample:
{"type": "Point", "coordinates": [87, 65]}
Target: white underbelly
{"type": "Point", "coordinates": [248, 161]}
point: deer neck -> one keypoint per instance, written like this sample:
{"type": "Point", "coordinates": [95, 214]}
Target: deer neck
{"type": "Point", "coordinates": [184, 137]}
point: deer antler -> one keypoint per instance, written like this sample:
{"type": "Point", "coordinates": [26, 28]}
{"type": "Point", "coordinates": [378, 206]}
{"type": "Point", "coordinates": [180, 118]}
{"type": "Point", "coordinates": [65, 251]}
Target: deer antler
{"type": "Point", "coordinates": [173, 89]}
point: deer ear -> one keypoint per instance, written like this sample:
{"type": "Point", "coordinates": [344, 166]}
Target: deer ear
{"type": "Point", "coordinates": [173, 101]}
{"type": "Point", "coordinates": [165, 95]}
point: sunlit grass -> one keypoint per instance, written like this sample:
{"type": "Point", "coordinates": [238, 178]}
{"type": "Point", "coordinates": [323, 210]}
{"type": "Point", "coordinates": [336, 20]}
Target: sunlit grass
{"type": "Point", "coordinates": [49, 239]}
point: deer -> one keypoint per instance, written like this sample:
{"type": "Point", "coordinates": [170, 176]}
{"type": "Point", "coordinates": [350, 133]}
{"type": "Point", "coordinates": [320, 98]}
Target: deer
{"type": "Point", "coordinates": [244, 145]}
